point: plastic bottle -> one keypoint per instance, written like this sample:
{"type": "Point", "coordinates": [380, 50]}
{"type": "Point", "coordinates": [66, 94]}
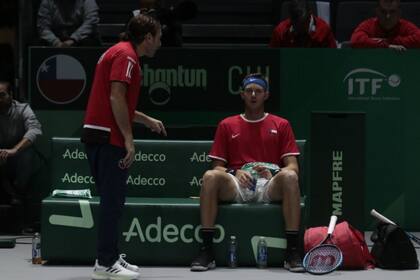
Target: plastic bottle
{"type": "Point", "coordinates": [36, 249]}
{"type": "Point", "coordinates": [232, 256]}
{"type": "Point", "coordinates": [262, 253]}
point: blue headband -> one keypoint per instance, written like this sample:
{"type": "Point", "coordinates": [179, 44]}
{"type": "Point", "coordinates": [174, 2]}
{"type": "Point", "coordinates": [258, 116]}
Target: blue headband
{"type": "Point", "coordinates": [254, 80]}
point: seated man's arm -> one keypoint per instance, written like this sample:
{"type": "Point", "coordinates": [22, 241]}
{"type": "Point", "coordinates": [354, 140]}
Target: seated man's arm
{"type": "Point", "coordinates": [90, 22]}
{"type": "Point", "coordinates": [291, 163]}
{"type": "Point", "coordinates": [331, 42]}
{"type": "Point", "coordinates": [44, 23]}
{"type": "Point", "coordinates": [32, 125]}
{"type": "Point", "coordinates": [410, 37]}
{"type": "Point", "coordinates": [33, 130]}
{"type": "Point", "coordinates": [219, 165]}
{"type": "Point", "coordinates": [362, 38]}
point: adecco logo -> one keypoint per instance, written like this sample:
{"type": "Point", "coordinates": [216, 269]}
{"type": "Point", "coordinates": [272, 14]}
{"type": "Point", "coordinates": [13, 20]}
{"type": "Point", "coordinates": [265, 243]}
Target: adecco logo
{"type": "Point", "coordinates": [366, 84]}
{"type": "Point", "coordinates": [160, 81]}
{"type": "Point", "coordinates": [170, 233]}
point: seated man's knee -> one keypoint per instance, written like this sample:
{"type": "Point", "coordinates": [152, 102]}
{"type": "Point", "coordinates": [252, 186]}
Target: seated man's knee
{"type": "Point", "coordinates": [211, 180]}
{"type": "Point", "coordinates": [288, 179]}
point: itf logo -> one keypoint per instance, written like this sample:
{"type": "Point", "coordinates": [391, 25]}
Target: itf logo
{"type": "Point", "coordinates": [61, 79]}
{"type": "Point", "coordinates": [365, 84]}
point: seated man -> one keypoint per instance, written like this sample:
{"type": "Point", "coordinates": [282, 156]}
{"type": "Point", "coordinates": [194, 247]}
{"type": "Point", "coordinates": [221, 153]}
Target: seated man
{"type": "Point", "coordinates": [19, 128]}
{"type": "Point", "coordinates": [387, 29]}
{"type": "Point", "coordinates": [68, 23]}
{"type": "Point", "coordinates": [302, 30]}
{"type": "Point", "coordinates": [263, 143]}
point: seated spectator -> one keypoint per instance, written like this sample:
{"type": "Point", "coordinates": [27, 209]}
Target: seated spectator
{"type": "Point", "coordinates": [19, 128]}
{"type": "Point", "coordinates": [170, 18]}
{"type": "Point", "coordinates": [68, 23]}
{"type": "Point", "coordinates": [302, 30]}
{"type": "Point", "coordinates": [387, 29]}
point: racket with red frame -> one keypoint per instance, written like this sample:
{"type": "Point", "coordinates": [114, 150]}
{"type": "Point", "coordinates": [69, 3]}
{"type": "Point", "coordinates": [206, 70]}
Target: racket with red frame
{"type": "Point", "coordinates": [325, 257]}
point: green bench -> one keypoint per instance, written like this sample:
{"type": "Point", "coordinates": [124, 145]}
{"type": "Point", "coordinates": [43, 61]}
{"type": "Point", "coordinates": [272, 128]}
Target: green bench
{"type": "Point", "coordinates": [161, 218]}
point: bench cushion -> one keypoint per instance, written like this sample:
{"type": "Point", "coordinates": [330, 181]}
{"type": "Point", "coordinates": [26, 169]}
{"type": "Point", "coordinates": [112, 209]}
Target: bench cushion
{"type": "Point", "coordinates": [160, 231]}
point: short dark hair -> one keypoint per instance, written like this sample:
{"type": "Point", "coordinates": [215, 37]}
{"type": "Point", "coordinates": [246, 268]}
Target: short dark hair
{"type": "Point", "coordinates": [298, 10]}
{"type": "Point", "coordinates": [8, 83]}
{"type": "Point", "coordinates": [388, 1]}
{"type": "Point", "coordinates": [139, 26]}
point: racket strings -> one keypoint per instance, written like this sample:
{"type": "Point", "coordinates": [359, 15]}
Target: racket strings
{"type": "Point", "coordinates": [323, 259]}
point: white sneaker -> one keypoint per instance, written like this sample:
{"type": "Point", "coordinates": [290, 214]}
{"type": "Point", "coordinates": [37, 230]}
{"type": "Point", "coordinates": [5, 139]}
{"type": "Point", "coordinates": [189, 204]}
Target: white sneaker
{"type": "Point", "coordinates": [114, 272]}
{"type": "Point", "coordinates": [126, 265]}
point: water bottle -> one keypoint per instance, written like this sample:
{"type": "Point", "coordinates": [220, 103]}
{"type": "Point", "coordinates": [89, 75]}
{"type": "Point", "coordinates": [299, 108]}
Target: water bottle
{"type": "Point", "coordinates": [232, 256]}
{"type": "Point", "coordinates": [262, 253]}
{"type": "Point", "coordinates": [36, 249]}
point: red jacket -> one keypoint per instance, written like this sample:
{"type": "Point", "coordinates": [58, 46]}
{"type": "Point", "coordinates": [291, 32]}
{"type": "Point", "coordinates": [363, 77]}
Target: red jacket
{"type": "Point", "coordinates": [320, 37]}
{"type": "Point", "coordinates": [370, 35]}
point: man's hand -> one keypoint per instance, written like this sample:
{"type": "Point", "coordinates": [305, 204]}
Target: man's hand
{"type": "Point", "coordinates": [6, 153]}
{"type": "Point", "coordinates": [398, 48]}
{"type": "Point", "coordinates": [245, 179]}
{"type": "Point", "coordinates": [155, 125]}
{"type": "Point", "coordinates": [263, 172]}
{"type": "Point", "coordinates": [68, 43]}
{"type": "Point", "coordinates": [129, 157]}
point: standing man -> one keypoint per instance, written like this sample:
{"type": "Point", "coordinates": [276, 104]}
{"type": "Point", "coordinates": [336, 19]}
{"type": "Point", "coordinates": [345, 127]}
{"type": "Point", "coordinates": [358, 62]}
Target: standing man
{"type": "Point", "coordinates": [254, 160]}
{"type": "Point", "coordinates": [387, 29]}
{"type": "Point", "coordinates": [107, 133]}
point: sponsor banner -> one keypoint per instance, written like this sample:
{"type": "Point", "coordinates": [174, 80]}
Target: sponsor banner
{"type": "Point", "coordinates": [338, 167]}
{"type": "Point", "coordinates": [169, 169]}
{"type": "Point", "coordinates": [175, 80]}
{"type": "Point", "coordinates": [155, 231]}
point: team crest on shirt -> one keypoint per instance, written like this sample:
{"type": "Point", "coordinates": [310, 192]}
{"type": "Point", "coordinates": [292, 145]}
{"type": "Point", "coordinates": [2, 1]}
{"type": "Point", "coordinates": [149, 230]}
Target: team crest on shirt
{"type": "Point", "coordinates": [273, 131]}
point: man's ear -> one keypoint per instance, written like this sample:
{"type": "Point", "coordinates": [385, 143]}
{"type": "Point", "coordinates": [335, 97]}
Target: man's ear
{"type": "Point", "coordinates": [266, 95]}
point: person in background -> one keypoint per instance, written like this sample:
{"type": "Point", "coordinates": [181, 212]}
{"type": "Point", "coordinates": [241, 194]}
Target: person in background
{"type": "Point", "coordinates": [387, 29]}
{"type": "Point", "coordinates": [68, 23]}
{"type": "Point", "coordinates": [19, 128]}
{"type": "Point", "coordinates": [170, 18]}
{"type": "Point", "coordinates": [302, 29]}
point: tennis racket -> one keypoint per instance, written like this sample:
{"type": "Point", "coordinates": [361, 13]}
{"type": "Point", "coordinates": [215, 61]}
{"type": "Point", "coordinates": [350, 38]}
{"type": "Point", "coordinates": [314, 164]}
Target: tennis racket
{"type": "Point", "coordinates": [326, 257]}
{"type": "Point", "coordinates": [384, 219]}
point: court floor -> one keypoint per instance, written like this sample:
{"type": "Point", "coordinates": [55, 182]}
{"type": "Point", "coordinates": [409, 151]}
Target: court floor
{"type": "Point", "coordinates": [15, 264]}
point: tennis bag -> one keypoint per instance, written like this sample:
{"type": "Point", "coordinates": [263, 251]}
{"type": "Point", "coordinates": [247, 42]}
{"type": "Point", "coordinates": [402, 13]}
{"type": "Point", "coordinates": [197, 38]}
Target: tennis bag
{"type": "Point", "coordinates": [392, 248]}
{"type": "Point", "coordinates": [350, 241]}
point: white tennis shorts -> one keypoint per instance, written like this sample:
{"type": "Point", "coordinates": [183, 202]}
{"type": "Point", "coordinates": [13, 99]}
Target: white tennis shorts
{"type": "Point", "coordinates": [245, 195]}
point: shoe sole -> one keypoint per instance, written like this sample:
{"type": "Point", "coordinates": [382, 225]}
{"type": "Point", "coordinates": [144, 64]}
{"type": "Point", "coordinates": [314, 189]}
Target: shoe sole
{"type": "Point", "coordinates": [108, 277]}
{"type": "Point", "coordinates": [201, 268]}
{"type": "Point", "coordinates": [294, 269]}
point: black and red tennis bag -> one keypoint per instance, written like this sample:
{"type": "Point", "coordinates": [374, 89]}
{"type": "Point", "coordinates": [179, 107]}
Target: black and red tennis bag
{"type": "Point", "coordinates": [350, 241]}
{"type": "Point", "coordinates": [392, 248]}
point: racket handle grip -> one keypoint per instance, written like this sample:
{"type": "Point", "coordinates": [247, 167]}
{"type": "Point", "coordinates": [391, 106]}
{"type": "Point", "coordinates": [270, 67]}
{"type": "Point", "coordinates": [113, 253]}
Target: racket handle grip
{"type": "Point", "coordinates": [380, 217]}
{"type": "Point", "coordinates": [333, 221]}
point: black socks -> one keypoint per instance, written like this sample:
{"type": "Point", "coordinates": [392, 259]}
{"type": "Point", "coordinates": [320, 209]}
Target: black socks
{"type": "Point", "coordinates": [292, 239]}
{"type": "Point", "coordinates": [207, 234]}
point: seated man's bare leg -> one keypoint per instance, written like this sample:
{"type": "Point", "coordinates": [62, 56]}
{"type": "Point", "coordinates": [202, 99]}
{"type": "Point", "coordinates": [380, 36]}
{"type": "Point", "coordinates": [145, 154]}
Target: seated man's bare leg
{"type": "Point", "coordinates": [217, 186]}
{"type": "Point", "coordinates": [285, 187]}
